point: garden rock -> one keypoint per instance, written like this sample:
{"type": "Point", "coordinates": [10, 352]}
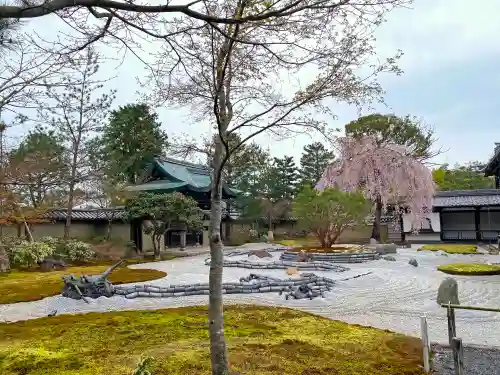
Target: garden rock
{"type": "Point", "coordinates": [260, 254]}
{"type": "Point", "coordinates": [413, 262]}
{"type": "Point", "coordinates": [303, 257]}
{"type": "Point", "coordinates": [373, 241]}
{"type": "Point", "coordinates": [448, 292]}
{"type": "Point", "coordinates": [386, 248]}
{"type": "Point", "coordinates": [390, 258]}
{"type": "Point", "coordinates": [89, 286]}
{"type": "Point", "coordinates": [49, 264]}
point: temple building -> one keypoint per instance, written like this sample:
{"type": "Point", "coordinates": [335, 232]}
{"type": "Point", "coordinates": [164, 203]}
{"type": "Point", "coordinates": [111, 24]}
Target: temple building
{"type": "Point", "coordinates": [167, 175]}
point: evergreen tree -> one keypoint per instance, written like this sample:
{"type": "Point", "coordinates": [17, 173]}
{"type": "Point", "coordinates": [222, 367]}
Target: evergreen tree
{"type": "Point", "coordinates": [38, 167]}
{"type": "Point", "coordinates": [130, 141]}
{"type": "Point", "coordinates": [315, 158]}
{"type": "Point", "coordinates": [286, 176]}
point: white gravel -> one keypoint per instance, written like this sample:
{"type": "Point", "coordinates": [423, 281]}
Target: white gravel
{"type": "Point", "coordinates": [393, 297]}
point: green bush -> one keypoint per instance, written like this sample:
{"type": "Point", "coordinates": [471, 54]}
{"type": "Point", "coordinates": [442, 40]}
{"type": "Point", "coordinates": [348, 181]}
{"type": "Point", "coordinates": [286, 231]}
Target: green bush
{"type": "Point", "coordinates": [451, 248]}
{"type": "Point", "coordinates": [76, 250]}
{"type": "Point", "coordinates": [52, 241]}
{"type": "Point", "coordinates": [470, 269]}
{"type": "Point", "coordinates": [28, 254]}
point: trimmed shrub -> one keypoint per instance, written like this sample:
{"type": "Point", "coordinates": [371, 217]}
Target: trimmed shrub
{"type": "Point", "coordinates": [76, 250]}
{"type": "Point", "coordinates": [469, 269]}
{"type": "Point", "coordinates": [451, 248]}
{"type": "Point", "coordinates": [28, 254]}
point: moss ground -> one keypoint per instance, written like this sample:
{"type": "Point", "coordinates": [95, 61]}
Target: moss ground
{"type": "Point", "coordinates": [301, 241]}
{"type": "Point", "coordinates": [261, 341]}
{"type": "Point", "coordinates": [450, 248]}
{"type": "Point", "coordinates": [470, 269]}
{"type": "Point", "coordinates": [328, 250]}
{"type": "Point", "coordinates": [23, 286]}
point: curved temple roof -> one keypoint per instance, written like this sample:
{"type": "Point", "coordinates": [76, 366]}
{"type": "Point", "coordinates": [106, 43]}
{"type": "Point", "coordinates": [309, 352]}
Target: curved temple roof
{"type": "Point", "coordinates": [167, 175]}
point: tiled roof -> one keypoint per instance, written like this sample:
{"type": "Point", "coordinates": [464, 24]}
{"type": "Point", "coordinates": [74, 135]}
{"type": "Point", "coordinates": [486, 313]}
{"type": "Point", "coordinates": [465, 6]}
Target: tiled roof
{"type": "Point", "coordinates": [174, 175]}
{"type": "Point", "coordinates": [86, 215]}
{"type": "Point", "coordinates": [457, 198]}
{"type": "Point", "coordinates": [492, 200]}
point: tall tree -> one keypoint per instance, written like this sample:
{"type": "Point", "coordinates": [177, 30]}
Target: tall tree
{"type": "Point", "coordinates": [131, 139]}
{"type": "Point", "coordinates": [405, 131]}
{"type": "Point", "coordinates": [286, 177]}
{"type": "Point", "coordinates": [123, 19]}
{"type": "Point", "coordinates": [267, 197]}
{"type": "Point", "coordinates": [38, 167]}
{"type": "Point", "coordinates": [386, 174]}
{"type": "Point", "coordinates": [76, 112]}
{"type": "Point", "coordinates": [462, 177]}
{"type": "Point", "coordinates": [233, 77]}
{"type": "Point", "coordinates": [26, 68]}
{"type": "Point", "coordinates": [315, 158]}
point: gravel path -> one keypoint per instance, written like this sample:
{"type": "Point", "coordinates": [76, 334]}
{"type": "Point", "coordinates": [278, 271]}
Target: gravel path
{"type": "Point", "coordinates": [477, 361]}
{"type": "Point", "coordinates": [393, 297]}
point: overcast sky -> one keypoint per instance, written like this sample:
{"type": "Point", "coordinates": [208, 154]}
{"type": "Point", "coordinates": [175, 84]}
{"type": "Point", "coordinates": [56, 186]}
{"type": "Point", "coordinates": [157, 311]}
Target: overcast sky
{"type": "Point", "coordinates": [451, 79]}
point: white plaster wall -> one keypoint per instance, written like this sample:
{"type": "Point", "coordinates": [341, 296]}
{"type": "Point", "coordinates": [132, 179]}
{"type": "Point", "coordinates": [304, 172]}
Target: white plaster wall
{"type": "Point", "coordinates": [423, 237]}
{"type": "Point", "coordinates": [434, 220]}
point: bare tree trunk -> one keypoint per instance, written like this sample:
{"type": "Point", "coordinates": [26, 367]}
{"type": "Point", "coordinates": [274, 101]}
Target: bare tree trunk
{"type": "Point", "coordinates": [377, 220]}
{"type": "Point", "coordinates": [156, 246]}
{"type": "Point", "coordinates": [108, 231]}
{"type": "Point", "coordinates": [71, 196]}
{"type": "Point", "coordinates": [27, 229]}
{"type": "Point", "coordinates": [218, 349]}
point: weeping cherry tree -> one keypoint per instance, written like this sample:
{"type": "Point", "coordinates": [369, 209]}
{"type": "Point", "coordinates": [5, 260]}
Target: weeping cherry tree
{"type": "Point", "coordinates": [386, 174]}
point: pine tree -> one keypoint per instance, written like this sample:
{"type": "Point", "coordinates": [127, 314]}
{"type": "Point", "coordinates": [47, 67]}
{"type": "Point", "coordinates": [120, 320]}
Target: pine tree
{"type": "Point", "coordinates": [130, 141]}
{"type": "Point", "coordinates": [315, 158]}
{"type": "Point", "coordinates": [287, 177]}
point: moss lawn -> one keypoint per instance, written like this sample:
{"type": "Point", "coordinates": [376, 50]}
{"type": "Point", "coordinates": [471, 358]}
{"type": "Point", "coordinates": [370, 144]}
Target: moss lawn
{"type": "Point", "coordinates": [450, 248]}
{"type": "Point", "coordinates": [24, 286]}
{"type": "Point", "coordinates": [470, 269]}
{"type": "Point", "coordinates": [261, 341]}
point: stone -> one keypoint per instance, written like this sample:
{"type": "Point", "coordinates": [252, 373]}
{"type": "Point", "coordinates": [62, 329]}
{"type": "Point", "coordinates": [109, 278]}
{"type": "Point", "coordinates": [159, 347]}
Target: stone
{"type": "Point", "coordinates": [448, 292]}
{"type": "Point", "coordinates": [291, 271]}
{"type": "Point", "coordinates": [303, 257]}
{"type": "Point", "coordinates": [413, 262]}
{"type": "Point", "coordinates": [84, 287]}
{"type": "Point", "coordinates": [373, 241]}
{"type": "Point", "coordinates": [388, 248]}
{"type": "Point", "coordinates": [390, 258]}
{"type": "Point", "coordinates": [260, 253]}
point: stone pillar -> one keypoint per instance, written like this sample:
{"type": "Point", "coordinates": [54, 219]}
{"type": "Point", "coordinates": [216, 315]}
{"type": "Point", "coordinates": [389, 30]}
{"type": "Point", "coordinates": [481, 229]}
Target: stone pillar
{"type": "Point", "coordinates": [206, 239]}
{"type": "Point", "coordinates": [183, 239]}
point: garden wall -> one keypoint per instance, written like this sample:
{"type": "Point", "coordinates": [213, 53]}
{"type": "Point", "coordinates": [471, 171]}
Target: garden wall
{"type": "Point", "coordinates": [83, 230]}
{"type": "Point", "coordinates": [355, 235]}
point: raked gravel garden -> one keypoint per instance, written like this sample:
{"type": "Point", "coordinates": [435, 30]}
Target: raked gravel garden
{"type": "Point", "coordinates": [389, 295]}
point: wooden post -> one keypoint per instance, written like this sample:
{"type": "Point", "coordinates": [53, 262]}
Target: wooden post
{"type": "Point", "coordinates": [452, 327]}
{"type": "Point", "coordinates": [425, 344]}
{"type": "Point", "coordinates": [458, 355]}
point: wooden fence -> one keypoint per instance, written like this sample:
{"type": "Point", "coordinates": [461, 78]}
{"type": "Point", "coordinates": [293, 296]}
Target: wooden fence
{"type": "Point", "coordinates": [454, 341]}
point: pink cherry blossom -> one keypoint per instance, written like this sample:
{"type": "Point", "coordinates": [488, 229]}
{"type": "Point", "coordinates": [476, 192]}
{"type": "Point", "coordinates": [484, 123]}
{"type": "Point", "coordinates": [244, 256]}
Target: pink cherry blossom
{"type": "Point", "coordinates": [385, 172]}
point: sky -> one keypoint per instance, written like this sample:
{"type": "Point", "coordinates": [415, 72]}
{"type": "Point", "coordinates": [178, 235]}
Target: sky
{"type": "Point", "coordinates": [451, 80]}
